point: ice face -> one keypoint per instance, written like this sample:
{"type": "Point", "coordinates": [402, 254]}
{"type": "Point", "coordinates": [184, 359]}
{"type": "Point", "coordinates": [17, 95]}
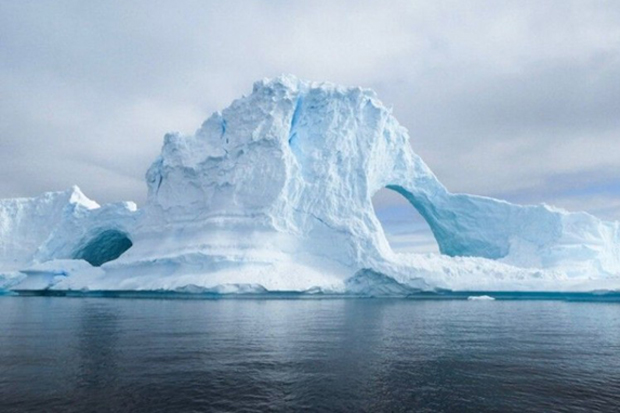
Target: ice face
{"type": "Point", "coordinates": [276, 191]}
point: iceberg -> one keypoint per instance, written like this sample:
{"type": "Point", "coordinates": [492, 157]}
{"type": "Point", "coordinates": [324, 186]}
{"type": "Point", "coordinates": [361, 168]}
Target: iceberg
{"type": "Point", "coordinates": [274, 192]}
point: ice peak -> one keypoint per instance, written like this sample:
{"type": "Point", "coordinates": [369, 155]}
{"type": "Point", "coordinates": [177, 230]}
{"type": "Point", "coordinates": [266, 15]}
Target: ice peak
{"type": "Point", "coordinates": [284, 81]}
{"type": "Point", "coordinates": [290, 85]}
{"type": "Point", "coordinates": [76, 196]}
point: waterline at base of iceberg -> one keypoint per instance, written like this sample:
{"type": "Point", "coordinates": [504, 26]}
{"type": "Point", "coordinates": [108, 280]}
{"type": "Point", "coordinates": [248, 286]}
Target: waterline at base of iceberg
{"type": "Point", "coordinates": [594, 296]}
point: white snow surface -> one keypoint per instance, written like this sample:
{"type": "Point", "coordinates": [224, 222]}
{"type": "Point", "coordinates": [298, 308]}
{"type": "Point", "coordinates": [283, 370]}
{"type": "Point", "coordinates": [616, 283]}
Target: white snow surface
{"type": "Point", "coordinates": [274, 193]}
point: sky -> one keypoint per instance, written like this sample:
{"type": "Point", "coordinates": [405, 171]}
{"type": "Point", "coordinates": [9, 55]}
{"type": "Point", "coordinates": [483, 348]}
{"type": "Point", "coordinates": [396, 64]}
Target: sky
{"type": "Point", "coordinates": [517, 100]}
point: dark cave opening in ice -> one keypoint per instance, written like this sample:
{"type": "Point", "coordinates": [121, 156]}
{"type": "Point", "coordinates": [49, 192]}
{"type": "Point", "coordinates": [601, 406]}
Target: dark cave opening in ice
{"type": "Point", "coordinates": [106, 246]}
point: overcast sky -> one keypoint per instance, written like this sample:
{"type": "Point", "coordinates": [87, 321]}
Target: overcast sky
{"type": "Point", "coordinates": [518, 100]}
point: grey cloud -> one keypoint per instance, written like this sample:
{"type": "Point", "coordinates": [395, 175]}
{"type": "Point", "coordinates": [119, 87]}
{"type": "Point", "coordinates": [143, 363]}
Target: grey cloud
{"type": "Point", "coordinates": [514, 99]}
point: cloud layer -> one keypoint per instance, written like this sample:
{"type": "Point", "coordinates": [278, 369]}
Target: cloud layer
{"type": "Point", "coordinates": [512, 99]}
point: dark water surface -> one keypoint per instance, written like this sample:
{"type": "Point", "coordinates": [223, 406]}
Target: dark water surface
{"type": "Point", "coordinates": [158, 355]}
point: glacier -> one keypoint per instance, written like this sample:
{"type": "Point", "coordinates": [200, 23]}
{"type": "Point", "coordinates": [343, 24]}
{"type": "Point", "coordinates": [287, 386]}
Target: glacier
{"type": "Point", "coordinates": [274, 194]}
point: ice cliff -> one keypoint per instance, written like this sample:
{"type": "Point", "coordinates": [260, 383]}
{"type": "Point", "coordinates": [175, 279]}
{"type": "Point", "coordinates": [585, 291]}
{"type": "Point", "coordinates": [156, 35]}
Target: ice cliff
{"type": "Point", "coordinates": [275, 193]}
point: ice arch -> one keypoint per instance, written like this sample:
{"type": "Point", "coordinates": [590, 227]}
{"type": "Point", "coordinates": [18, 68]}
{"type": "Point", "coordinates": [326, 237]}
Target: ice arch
{"type": "Point", "coordinates": [106, 246]}
{"type": "Point", "coordinates": [467, 225]}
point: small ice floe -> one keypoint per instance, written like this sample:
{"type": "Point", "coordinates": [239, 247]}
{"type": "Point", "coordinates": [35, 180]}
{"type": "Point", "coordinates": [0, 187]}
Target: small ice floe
{"type": "Point", "coordinates": [480, 298]}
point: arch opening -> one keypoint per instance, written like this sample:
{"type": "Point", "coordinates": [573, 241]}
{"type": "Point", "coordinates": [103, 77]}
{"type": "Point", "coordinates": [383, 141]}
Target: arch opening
{"type": "Point", "coordinates": [106, 246]}
{"type": "Point", "coordinates": [405, 229]}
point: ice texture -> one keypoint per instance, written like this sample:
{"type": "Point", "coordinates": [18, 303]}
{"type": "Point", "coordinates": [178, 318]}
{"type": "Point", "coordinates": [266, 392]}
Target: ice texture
{"type": "Point", "coordinates": [275, 192]}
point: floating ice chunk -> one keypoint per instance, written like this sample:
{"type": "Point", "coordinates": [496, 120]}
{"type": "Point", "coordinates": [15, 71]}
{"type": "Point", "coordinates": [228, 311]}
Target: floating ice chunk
{"type": "Point", "coordinates": [480, 298]}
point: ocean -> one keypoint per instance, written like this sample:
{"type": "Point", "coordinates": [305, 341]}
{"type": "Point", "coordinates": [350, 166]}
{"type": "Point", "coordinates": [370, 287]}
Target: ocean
{"type": "Point", "coordinates": [286, 354]}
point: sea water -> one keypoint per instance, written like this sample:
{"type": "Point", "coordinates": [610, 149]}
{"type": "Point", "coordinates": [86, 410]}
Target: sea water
{"type": "Point", "coordinates": [173, 355]}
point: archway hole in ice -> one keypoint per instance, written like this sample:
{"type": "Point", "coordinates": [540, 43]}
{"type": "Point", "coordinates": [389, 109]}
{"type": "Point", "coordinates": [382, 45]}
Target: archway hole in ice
{"type": "Point", "coordinates": [106, 246]}
{"type": "Point", "coordinates": [405, 229]}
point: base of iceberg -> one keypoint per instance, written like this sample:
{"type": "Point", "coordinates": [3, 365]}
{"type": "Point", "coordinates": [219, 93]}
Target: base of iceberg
{"type": "Point", "coordinates": [318, 294]}
{"type": "Point", "coordinates": [273, 195]}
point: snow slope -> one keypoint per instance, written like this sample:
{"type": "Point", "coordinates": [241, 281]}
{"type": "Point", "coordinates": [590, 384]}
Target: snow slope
{"type": "Point", "coordinates": [275, 192]}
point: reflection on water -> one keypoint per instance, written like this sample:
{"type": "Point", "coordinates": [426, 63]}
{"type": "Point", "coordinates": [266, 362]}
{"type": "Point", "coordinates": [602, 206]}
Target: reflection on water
{"type": "Point", "coordinates": [89, 354]}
